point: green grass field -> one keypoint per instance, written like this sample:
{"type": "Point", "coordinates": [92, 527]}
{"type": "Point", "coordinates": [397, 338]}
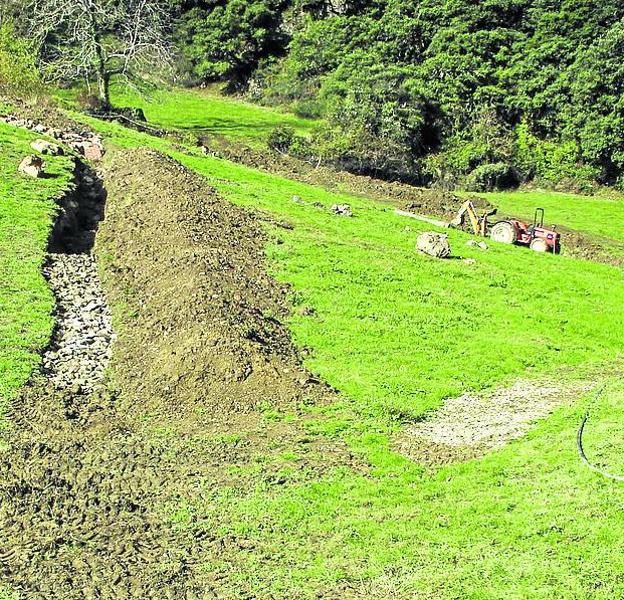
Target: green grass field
{"type": "Point", "coordinates": [27, 208]}
{"type": "Point", "coordinates": [396, 332]}
{"type": "Point", "coordinates": [205, 112]}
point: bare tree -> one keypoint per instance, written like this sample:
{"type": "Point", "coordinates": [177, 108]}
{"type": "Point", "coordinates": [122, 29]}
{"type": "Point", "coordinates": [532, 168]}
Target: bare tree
{"type": "Point", "coordinates": [99, 39]}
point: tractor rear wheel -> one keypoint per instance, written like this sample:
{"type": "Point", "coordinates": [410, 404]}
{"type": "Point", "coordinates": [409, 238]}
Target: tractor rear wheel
{"type": "Point", "coordinates": [504, 232]}
{"type": "Point", "coordinates": [539, 245]}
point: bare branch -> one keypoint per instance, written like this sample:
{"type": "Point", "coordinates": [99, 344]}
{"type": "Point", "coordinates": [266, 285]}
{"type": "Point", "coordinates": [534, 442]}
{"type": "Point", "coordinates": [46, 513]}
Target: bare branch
{"type": "Point", "coordinates": [98, 39]}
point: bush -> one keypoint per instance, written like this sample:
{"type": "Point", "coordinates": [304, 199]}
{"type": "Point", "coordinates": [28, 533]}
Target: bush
{"type": "Point", "coordinates": [302, 148]}
{"type": "Point", "coordinates": [549, 162]}
{"type": "Point", "coordinates": [490, 177]}
{"type": "Point", "coordinates": [19, 75]}
{"type": "Point", "coordinates": [281, 139]}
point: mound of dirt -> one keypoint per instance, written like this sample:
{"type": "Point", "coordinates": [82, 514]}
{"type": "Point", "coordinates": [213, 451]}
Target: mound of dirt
{"type": "Point", "coordinates": [592, 247]}
{"type": "Point", "coordinates": [202, 317]}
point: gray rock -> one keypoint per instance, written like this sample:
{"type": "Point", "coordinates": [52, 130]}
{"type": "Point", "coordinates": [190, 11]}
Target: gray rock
{"type": "Point", "coordinates": [82, 345]}
{"type": "Point", "coordinates": [45, 147]}
{"type": "Point", "coordinates": [32, 166]}
{"type": "Point", "coordinates": [344, 210]}
{"type": "Point", "coordinates": [434, 244]}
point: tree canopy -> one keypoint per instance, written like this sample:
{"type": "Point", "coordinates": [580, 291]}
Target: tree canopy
{"type": "Point", "coordinates": [416, 88]}
{"type": "Point", "coordinates": [454, 92]}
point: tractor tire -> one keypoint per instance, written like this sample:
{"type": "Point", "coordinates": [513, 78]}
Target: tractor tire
{"type": "Point", "coordinates": [539, 245]}
{"type": "Point", "coordinates": [504, 232]}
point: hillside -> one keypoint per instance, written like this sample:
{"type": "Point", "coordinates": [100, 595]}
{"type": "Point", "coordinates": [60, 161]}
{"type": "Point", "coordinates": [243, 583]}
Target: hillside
{"type": "Point", "coordinates": [465, 94]}
{"type": "Point", "coordinates": [231, 366]}
{"type": "Point", "coordinates": [275, 373]}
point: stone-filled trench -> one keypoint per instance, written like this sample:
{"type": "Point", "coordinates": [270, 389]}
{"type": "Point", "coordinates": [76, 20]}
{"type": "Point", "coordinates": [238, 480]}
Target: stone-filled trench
{"type": "Point", "coordinates": [97, 461]}
{"type": "Point", "coordinates": [81, 344]}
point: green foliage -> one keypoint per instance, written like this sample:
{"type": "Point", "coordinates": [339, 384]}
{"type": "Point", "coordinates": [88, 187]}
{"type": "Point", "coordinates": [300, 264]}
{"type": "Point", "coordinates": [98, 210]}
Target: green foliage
{"type": "Point", "coordinates": [227, 40]}
{"type": "Point", "coordinates": [596, 121]}
{"type": "Point", "coordinates": [315, 50]}
{"type": "Point", "coordinates": [19, 75]}
{"type": "Point", "coordinates": [378, 116]}
{"type": "Point", "coordinates": [490, 177]}
{"type": "Point", "coordinates": [485, 141]}
{"type": "Point", "coordinates": [418, 79]}
{"type": "Point", "coordinates": [281, 138]}
{"type": "Point", "coordinates": [548, 161]}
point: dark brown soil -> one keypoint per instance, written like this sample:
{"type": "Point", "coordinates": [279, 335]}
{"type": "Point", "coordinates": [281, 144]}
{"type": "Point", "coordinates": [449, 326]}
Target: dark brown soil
{"type": "Point", "coordinates": [89, 481]}
{"type": "Point", "coordinates": [204, 315]}
{"type": "Point", "coordinates": [423, 200]}
{"type": "Point", "coordinates": [592, 247]}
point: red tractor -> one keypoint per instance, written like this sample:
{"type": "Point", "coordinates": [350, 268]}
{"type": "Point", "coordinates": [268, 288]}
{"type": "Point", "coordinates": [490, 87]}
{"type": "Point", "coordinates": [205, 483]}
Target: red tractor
{"type": "Point", "coordinates": [535, 236]}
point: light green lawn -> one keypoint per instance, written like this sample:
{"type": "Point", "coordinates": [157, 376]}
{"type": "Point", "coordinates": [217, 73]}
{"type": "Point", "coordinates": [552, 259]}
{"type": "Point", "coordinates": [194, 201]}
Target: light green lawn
{"type": "Point", "coordinates": [396, 332]}
{"type": "Point", "coordinates": [27, 208]}
{"type": "Point", "coordinates": [590, 214]}
{"type": "Point", "coordinates": [206, 112]}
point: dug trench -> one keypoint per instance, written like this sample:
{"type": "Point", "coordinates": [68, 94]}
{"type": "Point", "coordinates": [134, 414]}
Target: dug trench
{"type": "Point", "coordinates": [120, 430]}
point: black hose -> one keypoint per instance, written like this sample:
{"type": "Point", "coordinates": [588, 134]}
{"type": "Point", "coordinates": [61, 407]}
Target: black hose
{"type": "Point", "coordinates": [579, 440]}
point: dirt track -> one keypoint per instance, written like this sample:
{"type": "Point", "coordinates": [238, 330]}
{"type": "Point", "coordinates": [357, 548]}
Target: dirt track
{"type": "Point", "coordinates": [89, 480]}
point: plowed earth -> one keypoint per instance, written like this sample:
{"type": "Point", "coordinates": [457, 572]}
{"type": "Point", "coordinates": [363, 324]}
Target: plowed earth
{"type": "Point", "coordinates": [91, 478]}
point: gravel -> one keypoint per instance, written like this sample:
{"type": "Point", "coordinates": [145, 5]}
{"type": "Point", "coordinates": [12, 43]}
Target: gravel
{"type": "Point", "coordinates": [472, 425]}
{"type": "Point", "coordinates": [81, 345]}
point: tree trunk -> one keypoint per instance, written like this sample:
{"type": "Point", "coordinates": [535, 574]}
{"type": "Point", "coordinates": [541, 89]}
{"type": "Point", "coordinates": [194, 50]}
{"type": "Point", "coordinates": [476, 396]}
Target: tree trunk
{"type": "Point", "coordinates": [104, 88]}
{"type": "Point", "coordinates": [103, 77]}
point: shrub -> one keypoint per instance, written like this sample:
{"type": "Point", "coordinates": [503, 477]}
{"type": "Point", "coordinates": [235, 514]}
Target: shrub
{"type": "Point", "coordinates": [281, 138]}
{"type": "Point", "coordinates": [490, 177]}
{"type": "Point", "coordinates": [549, 162]}
{"type": "Point", "coordinates": [19, 75]}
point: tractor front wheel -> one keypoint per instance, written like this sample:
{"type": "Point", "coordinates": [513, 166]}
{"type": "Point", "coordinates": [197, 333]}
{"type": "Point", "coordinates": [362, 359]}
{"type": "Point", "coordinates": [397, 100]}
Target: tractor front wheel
{"type": "Point", "coordinates": [504, 232]}
{"type": "Point", "coordinates": [539, 245]}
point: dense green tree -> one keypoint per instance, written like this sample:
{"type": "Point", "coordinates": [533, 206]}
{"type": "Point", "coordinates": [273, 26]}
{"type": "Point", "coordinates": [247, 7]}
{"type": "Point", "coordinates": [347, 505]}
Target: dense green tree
{"type": "Point", "coordinates": [595, 115]}
{"type": "Point", "coordinates": [227, 40]}
{"type": "Point", "coordinates": [380, 117]}
{"type": "Point", "coordinates": [426, 90]}
{"type": "Point", "coordinates": [19, 74]}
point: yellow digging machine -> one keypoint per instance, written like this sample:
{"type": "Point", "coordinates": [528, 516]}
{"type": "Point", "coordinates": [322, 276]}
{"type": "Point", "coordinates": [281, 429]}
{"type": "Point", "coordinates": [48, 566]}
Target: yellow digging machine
{"type": "Point", "coordinates": [479, 223]}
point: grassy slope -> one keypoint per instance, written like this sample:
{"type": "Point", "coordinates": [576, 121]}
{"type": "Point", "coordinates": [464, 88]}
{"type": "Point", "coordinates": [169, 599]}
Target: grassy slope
{"type": "Point", "coordinates": [396, 331]}
{"type": "Point", "coordinates": [26, 210]}
{"type": "Point", "coordinates": [205, 112]}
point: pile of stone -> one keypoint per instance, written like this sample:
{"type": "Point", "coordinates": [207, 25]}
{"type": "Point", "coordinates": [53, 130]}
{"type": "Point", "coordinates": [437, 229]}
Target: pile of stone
{"type": "Point", "coordinates": [84, 142]}
{"type": "Point", "coordinates": [45, 147]}
{"type": "Point", "coordinates": [82, 343]}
